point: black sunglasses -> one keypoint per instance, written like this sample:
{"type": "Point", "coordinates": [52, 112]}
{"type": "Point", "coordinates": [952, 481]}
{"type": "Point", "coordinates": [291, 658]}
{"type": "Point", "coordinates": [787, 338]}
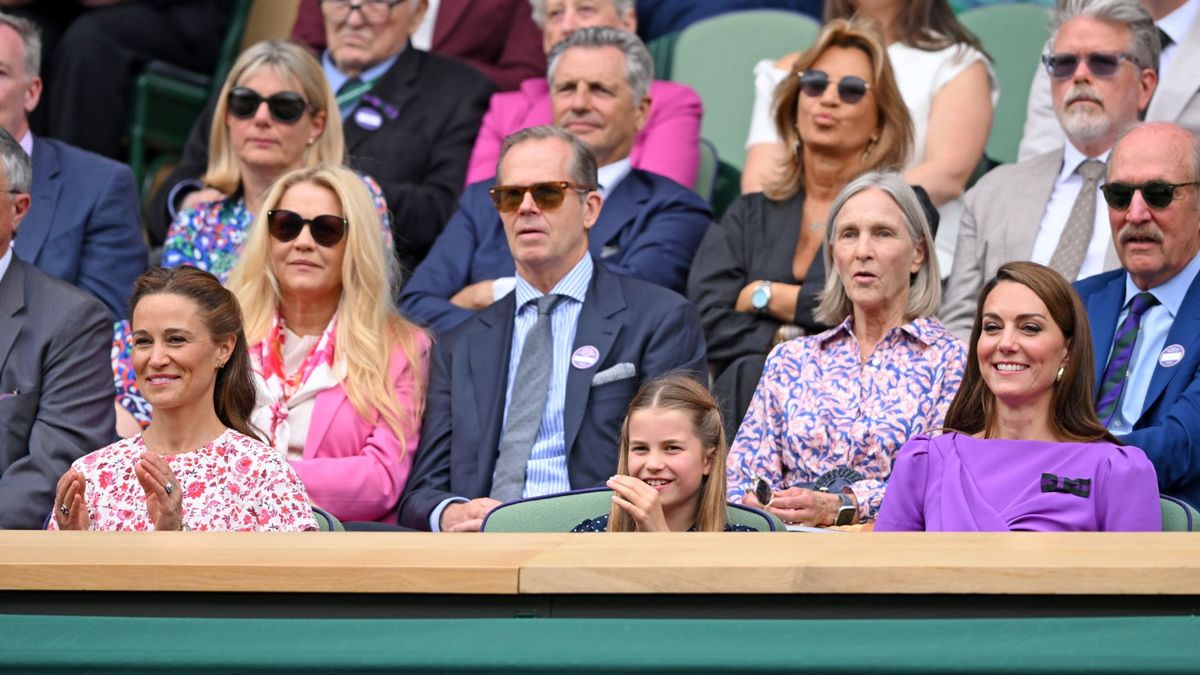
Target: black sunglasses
{"type": "Point", "coordinates": [286, 225]}
{"type": "Point", "coordinates": [850, 89]}
{"type": "Point", "coordinates": [547, 196]}
{"type": "Point", "coordinates": [1100, 64]}
{"type": "Point", "coordinates": [286, 106]}
{"type": "Point", "coordinates": [1158, 194]}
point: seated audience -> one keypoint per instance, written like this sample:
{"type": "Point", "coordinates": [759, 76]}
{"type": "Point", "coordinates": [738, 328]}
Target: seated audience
{"type": "Point", "coordinates": [757, 276]}
{"type": "Point", "coordinates": [843, 402]}
{"type": "Point", "coordinates": [671, 472]}
{"type": "Point", "coordinates": [667, 143]}
{"type": "Point", "coordinates": [313, 284]}
{"type": "Point", "coordinates": [82, 224]}
{"type": "Point", "coordinates": [1023, 449]}
{"type": "Point", "coordinates": [945, 80]}
{"type": "Point", "coordinates": [198, 466]}
{"type": "Point", "coordinates": [1048, 209]}
{"type": "Point", "coordinates": [650, 226]}
{"type": "Point", "coordinates": [1177, 97]}
{"type": "Point", "coordinates": [526, 397]}
{"type": "Point", "coordinates": [1142, 315]}
{"type": "Point", "coordinates": [55, 386]}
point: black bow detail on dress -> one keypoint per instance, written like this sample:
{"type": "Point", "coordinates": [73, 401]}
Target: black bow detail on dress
{"type": "Point", "coordinates": [1080, 487]}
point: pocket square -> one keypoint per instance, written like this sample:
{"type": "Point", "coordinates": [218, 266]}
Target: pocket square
{"type": "Point", "coordinates": [621, 371]}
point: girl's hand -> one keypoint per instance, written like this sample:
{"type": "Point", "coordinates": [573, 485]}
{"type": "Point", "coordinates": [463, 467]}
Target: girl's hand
{"type": "Point", "coordinates": [164, 495]}
{"type": "Point", "coordinates": [70, 510]}
{"type": "Point", "coordinates": [640, 501]}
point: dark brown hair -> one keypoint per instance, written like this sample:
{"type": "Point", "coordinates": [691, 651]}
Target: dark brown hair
{"type": "Point", "coordinates": [929, 25]}
{"type": "Point", "coordinates": [1072, 413]}
{"type": "Point", "coordinates": [233, 394]}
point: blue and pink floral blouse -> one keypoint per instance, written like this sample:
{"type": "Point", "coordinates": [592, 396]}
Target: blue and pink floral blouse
{"type": "Point", "coordinates": [819, 407]}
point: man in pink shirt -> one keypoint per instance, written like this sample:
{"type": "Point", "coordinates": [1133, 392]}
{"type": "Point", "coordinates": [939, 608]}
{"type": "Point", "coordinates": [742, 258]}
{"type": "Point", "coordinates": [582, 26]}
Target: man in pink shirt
{"type": "Point", "coordinates": [668, 143]}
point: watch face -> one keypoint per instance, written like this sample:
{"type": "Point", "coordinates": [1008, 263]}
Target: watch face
{"type": "Point", "coordinates": [762, 491]}
{"type": "Point", "coordinates": [759, 298]}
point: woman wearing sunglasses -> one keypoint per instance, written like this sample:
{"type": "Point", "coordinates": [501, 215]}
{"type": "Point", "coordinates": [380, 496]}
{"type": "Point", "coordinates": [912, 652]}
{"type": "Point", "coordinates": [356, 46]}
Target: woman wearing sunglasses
{"type": "Point", "coordinates": [757, 275]}
{"type": "Point", "coordinates": [316, 283]}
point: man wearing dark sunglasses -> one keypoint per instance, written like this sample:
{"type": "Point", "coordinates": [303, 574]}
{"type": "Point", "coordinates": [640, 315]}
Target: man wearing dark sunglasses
{"type": "Point", "coordinates": [1145, 317]}
{"type": "Point", "coordinates": [650, 227]}
{"type": "Point", "coordinates": [527, 396]}
{"type": "Point", "coordinates": [1048, 209]}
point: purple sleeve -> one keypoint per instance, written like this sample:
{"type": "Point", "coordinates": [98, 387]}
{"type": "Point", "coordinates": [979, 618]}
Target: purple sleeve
{"type": "Point", "coordinates": [903, 507]}
{"type": "Point", "coordinates": [1127, 493]}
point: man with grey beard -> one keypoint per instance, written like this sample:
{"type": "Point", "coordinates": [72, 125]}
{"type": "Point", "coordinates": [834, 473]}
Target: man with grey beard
{"type": "Point", "coordinates": [1102, 59]}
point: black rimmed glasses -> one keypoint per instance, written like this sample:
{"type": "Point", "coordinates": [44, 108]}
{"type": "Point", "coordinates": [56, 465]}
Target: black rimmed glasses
{"type": "Point", "coordinates": [286, 106]}
{"type": "Point", "coordinates": [373, 11]}
{"type": "Point", "coordinates": [286, 225]}
{"type": "Point", "coordinates": [548, 196]}
{"type": "Point", "coordinates": [1158, 194]}
{"type": "Point", "coordinates": [1101, 64]}
{"type": "Point", "coordinates": [851, 89]}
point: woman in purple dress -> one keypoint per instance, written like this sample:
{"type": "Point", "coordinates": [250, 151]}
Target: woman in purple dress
{"type": "Point", "coordinates": [1023, 448]}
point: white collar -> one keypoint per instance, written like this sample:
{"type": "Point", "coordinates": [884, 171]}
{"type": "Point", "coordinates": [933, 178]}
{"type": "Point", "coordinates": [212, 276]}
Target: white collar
{"type": "Point", "coordinates": [1177, 23]}
{"type": "Point", "coordinates": [610, 175]}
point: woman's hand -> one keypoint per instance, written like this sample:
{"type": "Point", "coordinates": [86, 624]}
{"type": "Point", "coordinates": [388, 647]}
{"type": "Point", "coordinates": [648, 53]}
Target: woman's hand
{"type": "Point", "coordinates": [164, 495]}
{"type": "Point", "coordinates": [640, 501]}
{"type": "Point", "coordinates": [803, 506]}
{"type": "Point", "coordinates": [202, 196]}
{"type": "Point", "coordinates": [70, 509]}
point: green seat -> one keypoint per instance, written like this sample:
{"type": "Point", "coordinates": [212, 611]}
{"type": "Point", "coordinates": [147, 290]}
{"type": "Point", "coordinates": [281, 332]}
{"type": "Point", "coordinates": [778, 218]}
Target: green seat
{"type": "Point", "coordinates": [662, 50]}
{"type": "Point", "coordinates": [326, 521]}
{"type": "Point", "coordinates": [1178, 515]}
{"type": "Point", "coordinates": [1015, 36]}
{"type": "Point", "coordinates": [716, 57]}
{"type": "Point", "coordinates": [706, 177]}
{"type": "Point", "coordinates": [562, 512]}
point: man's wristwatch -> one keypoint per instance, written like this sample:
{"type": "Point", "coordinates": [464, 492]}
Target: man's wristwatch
{"type": "Point", "coordinates": [761, 297]}
{"type": "Point", "coordinates": [845, 514]}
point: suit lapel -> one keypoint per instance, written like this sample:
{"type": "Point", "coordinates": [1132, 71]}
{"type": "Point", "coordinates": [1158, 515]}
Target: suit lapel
{"type": "Point", "coordinates": [1030, 207]}
{"type": "Point", "coordinates": [596, 328]}
{"type": "Point", "coordinates": [395, 89]}
{"type": "Point", "coordinates": [1177, 89]}
{"type": "Point", "coordinates": [449, 14]}
{"type": "Point", "coordinates": [623, 205]}
{"type": "Point", "coordinates": [1185, 331]}
{"type": "Point", "coordinates": [489, 349]}
{"type": "Point", "coordinates": [35, 229]}
{"type": "Point", "coordinates": [1103, 308]}
{"type": "Point", "coordinates": [325, 407]}
{"type": "Point", "coordinates": [12, 301]}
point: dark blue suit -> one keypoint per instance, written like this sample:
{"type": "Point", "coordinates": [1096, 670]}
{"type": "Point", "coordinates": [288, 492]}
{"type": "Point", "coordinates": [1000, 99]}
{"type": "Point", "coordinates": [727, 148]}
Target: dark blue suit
{"type": "Point", "coordinates": [1169, 428]}
{"type": "Point", "coordinates": [649, 228]}
{"type": "Point", "coordinates": [626, 320]}
{"type": "Point", "coordinates": [82, 225]}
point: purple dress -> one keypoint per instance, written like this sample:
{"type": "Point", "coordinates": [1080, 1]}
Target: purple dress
{"type": "Point", "coordinates": [959, 483]}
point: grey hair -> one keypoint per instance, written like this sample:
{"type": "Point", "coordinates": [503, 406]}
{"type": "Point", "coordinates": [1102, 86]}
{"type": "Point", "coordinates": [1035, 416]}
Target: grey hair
{"type": "Point", "coordinates": [17, 165]}
{"type": "Point", "coordinates": [583, 162]}
{"type": "Point", "coordinates": [1144, 41]}
{"type": "Point", "coordinates": [925, 293]}
{"type": "Point", "coordinates": [623, 7]}
{"type": "Point", "coordinates": [639, 67]}
{"type": "Point", "coordinates": [31, 37]}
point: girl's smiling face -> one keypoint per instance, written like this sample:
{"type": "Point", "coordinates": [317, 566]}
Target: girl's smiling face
{"type": "Point", "coordinates": [666, 454]}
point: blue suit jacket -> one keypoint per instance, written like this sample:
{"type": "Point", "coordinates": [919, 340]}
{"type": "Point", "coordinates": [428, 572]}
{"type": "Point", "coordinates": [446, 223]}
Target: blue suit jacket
{"type": "Point", "coordinates": [1169, 428]}
{"type": "Point", "coordinates": [649, 228]}
{"type": "Point", "coordinates": [626, 320]}
{"type": "Point", "coordinates": [82, 225]}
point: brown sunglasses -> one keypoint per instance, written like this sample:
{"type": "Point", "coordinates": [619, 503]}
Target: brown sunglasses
{"type": "Point", "coordinates": [547, 196]}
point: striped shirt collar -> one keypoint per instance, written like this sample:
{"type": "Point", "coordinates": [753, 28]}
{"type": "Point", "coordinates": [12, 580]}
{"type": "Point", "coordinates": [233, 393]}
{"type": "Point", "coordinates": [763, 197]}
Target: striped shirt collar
{"type": "Point", "coordinates": [574, 285]}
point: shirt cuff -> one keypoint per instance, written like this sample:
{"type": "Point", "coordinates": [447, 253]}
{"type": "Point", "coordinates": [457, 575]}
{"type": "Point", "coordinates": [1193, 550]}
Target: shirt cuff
{"type": "Point", "coordinates": [502, 287]}
{"type": "Point", "coordinates": [435, 518]}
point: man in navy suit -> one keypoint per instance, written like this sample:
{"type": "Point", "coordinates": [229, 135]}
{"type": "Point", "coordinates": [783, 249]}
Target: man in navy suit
{"type": "Point", "coordinates": [650, 226]}
{"type": "Point", "coordinates": [610, 333]}
{"type": "Point", "coordinates": [1156, 229]}
{"type": "Point", "coordinates": [82, 225]}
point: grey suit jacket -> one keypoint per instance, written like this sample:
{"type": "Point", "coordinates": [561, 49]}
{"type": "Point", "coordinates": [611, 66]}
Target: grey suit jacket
{"type": "Point", "coordinates": [56, 391]}
{"type": "Point", "coordinates": [1003, 215]}
{"type": "Point", "coordinates": [1176, 99]}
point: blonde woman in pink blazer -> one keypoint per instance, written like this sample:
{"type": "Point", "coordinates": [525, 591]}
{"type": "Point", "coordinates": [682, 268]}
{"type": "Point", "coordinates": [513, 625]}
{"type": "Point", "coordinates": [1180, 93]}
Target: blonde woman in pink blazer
{"type": "Point", "coordinates": [339, 373]}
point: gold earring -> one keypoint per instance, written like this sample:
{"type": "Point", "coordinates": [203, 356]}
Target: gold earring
{"type": "Point", "coordinates": [870, 147]}
{"type": "Point", "coordinates": [1058, 377]}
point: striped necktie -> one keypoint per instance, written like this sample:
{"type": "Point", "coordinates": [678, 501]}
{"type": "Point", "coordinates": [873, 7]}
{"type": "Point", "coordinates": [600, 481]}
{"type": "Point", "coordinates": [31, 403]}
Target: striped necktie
{"type": "Point", "coordinates": [350, 93]}
{"type": "Point", "coordinates": [1112, 384]}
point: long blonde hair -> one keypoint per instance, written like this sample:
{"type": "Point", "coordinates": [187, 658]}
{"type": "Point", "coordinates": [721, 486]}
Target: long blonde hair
{"type": "Point", "coordinates": [682, 393]}
{"type": "Point", "coordinates": [368, 327]}
{"type": "Point", "coordinates": [289, 61]}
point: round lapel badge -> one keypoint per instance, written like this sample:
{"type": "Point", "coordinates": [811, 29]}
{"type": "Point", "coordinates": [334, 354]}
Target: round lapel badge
{"type": "Point", "coordinates": [585, 357]}
{"type": "Point", "coordinates": [1171, 355]}
{"type": "Point", "coordinates": [368, 118]}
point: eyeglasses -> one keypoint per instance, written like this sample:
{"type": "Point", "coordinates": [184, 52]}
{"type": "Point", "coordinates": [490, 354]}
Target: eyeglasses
{"type": "Point", "coordinates": [1158, 194]}
{"type": "Point", "coordinates": [286, 106]}
{"type": "Point", "coordinates": [850, 89]}
{"type": "Point", "coordinates": [547, 196]}
{"type": "Point", "coordinates": [373, 11]}
{"type": "Point", "coordinates": [1100, 64]}
{"type": "Point", "coordinates": [286, 225]}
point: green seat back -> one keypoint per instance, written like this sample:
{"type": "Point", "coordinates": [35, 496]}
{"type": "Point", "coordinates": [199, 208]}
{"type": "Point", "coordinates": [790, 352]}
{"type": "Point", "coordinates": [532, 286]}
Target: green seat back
{"type": "Point", "coordinates": [716, 57]}
{"type": "Point", "coordinates": [706, 176]}
{"type": "Point", "coordinates": [1178, 515]}
{"type": "Point", "coordinates": [326, 521]}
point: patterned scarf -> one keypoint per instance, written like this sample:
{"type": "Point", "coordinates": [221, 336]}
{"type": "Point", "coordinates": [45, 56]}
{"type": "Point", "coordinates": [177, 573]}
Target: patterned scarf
{"type": "Point", "coordinates": [277, 391]}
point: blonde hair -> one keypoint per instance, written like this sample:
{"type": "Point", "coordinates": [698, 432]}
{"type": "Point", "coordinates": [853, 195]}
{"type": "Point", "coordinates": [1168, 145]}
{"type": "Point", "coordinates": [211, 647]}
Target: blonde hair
{"type": "Point", "coordinates": [290, 61]}
{"type": "Point", "coordinates": [368, 327]}
{"type": "Point", "coordinates": [686, 395]}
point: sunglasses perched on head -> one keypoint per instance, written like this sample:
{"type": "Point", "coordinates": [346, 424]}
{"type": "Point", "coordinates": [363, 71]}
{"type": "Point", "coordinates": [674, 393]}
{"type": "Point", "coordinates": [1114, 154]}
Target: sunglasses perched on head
{"type": "Point", "coordinates": [286, 106]}
{"type": "Point", "coordinates": [286, 225]}
{"type": "Point", "coordinates": [850, 89]}
{"type": "Point", "coordinates": [1158, 194]}
{"type": "Point", "coordinates": [547, 196]}
{"type": "Point", "coordinates": [1101, 64]}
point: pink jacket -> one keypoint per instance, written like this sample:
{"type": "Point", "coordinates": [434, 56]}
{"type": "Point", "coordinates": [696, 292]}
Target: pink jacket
{"type": "Point", "coordinates": [668, 145]}
{"type": "Point", "coordinates": [354, 468]}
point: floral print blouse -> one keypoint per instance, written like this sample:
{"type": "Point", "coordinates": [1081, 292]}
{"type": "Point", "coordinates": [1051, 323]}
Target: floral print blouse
{"type": "Point", "coordinates": [234, 483]}
{"type": "Point", "coordinates": [819, 407]}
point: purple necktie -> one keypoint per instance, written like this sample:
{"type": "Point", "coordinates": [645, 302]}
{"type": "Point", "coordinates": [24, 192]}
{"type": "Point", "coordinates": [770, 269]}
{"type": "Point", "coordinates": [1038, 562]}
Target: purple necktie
{"type": "Point", "coordinates": [1112, 384]}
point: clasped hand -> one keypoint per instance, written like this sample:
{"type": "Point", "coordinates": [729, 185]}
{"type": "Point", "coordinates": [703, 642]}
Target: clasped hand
{"type": "Point", "coordinates": [164, 505]}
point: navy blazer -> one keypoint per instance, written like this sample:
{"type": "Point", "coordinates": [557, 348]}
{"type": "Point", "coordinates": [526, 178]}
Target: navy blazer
{"type": "Point", "coordinates": [82, 225]}
{"type": "Point", "coordinates": [649, 228]}
{"type": "Point", "coordinates": [1169, 428]}
{"type": "Point", "coordinates": [626, 320]}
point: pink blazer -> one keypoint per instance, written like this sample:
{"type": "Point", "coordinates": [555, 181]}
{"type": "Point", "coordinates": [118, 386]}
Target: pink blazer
{"type": "Point", "coordinates": [355, 468]}
{"type": "Point", "coordinates": [668, 145]}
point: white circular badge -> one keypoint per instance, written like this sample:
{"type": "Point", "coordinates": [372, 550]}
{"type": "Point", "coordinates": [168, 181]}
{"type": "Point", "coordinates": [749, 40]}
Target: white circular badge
{"type": "Point", "coordinates": [585, 357]}
{"type": "Point", "coordinates": [368, 118]}
{"type": "Point", "coordinates": [1171, 355]}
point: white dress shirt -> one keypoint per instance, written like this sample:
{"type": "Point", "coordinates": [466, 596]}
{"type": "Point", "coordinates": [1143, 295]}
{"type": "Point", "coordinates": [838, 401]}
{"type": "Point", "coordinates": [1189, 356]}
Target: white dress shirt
{"type": "Point", "coordinates": [1058, 209]}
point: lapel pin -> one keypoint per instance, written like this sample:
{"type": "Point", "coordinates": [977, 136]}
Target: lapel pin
{"type": "Point", "coordinates": [585, 357]}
